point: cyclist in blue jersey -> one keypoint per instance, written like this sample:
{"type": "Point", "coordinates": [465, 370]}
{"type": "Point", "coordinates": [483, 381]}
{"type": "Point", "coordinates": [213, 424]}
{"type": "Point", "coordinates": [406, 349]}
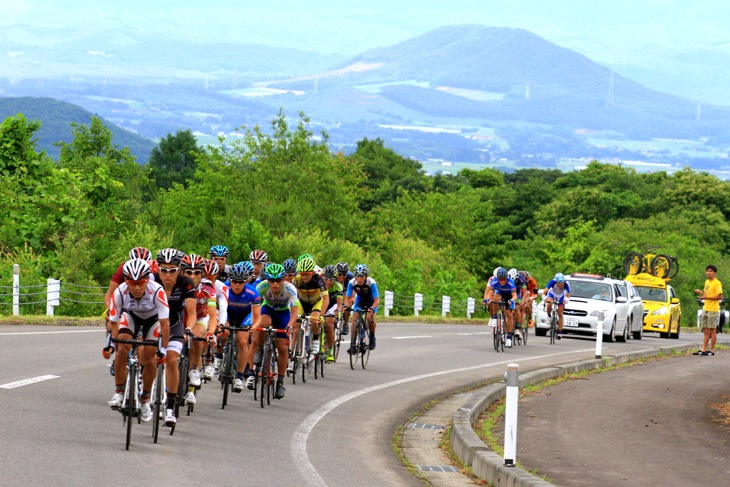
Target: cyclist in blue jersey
{"type": "Point", "coordinates": [280, 309]}
{"type": "Point", "coordinates": [244, 308]}
{"type": "Point", "coordinates": [557, 291]}
{"type": "Point", "coordinates": [290, 269]}
{"type": "Point", "coordinates": [343, 277]}
{"type": "Point", "coordinates": [504, 287]}
{"type": "Point", "coordinates": [362, 296]}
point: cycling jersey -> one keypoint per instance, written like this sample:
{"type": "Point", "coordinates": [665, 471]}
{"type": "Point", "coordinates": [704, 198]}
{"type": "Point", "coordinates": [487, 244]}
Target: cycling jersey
{"type": "Point", "coordinates": [556, 290]}
{"type": "Point", "coordinates": [240, 305]}
{"type": "Point", "coordinates": [531, 285]}
{"type": "Point", "coordinates": [519, 286]}
{"type": "Point", "coordinates": [334, 292]}
{"type": "Point", "coordinates": [283, 300]}
{"type": "Point", "coordinates": [365, 293]}
{"type": "Point", "coordinates": [204, 297]}
{"type": "Point", "coordinates": [504, 289]}
{"type": "Point", "coordinates": [139, 315]}
{"type": "Point", "coordinates": [310, 292]}
{"type": "Point", "coordinates": [221, 296]}
{"type": "Point", "coordinates": [181, 290]}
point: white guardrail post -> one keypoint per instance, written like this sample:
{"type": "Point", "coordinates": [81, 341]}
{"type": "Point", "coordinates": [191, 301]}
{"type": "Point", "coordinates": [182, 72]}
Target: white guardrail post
{"type": "Point", "coordinates": [388, 302]}
{"type": "Point", "coordinates": [445, 306]}
{"type": "Point", "coordinates": [470, 303]}
{"type": "Point", "coordinates": [53, 295]}
{"type": "Point", "coordinates": [16, 290]}
{"type": "Point", "coordinates": [512, 378]}
{"type": "Point", "coordinates": [417, 303]}
{"type": "Point", "coordinates": [599, 333]}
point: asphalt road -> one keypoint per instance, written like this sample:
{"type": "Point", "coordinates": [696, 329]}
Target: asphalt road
{"type": "Point", "coordinates": [334, 431]}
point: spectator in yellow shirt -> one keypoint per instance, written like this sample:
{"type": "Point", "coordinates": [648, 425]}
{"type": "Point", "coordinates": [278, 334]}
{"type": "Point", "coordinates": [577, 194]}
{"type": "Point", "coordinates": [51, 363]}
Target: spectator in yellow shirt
{"type": "Point", "coordinates": [711, 297]}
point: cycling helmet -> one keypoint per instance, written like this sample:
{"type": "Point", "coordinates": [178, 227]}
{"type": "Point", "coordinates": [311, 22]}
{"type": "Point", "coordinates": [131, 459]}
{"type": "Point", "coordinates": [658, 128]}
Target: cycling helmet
{"type": "Point", "coordinates": [140, 253]}
{"type": "Point", "coordinates": [342, 267]}
{"type": "Point", "coordinates": [136, 269]}
{"type": "Point", "coordinates": [527, 274]}
{"type": "Point", "coordinates": [274, 271]}
{"type": "Point", "coordinates": [290, 266]}
{"type": "Point", "coordinates": [240, 271]}
{"type": "Point", "coordinates": [258, 256]}
{"type": "Point", "coordinates": [361, 269]}
{"type": "Point", "coordinates": [306, 265]}
{"type": "Point", "coordinates": [559, 278]}
{"type": "Point", "coordinates": [329, 271]}
{"type": "Point", "coordinates": [304, 256]}
{"type": "Point", "coordinates": [219, 251]}
{"type": "Point", "coordinates": [512, 273]}
{"type": "Point", "coordinates": [169, 256]}
{"type": "Point", "coordinates": [494, 273]}
{"type": "Point", "coordinates": [210, 268]}
{"type": "Point", "coordinates": [192, 261]}
{"type": "Point", "coordinates": [501, 273]}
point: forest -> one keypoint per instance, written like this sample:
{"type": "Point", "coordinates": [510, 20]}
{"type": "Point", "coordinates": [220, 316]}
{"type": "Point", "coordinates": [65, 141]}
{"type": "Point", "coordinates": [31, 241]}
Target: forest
{"type": "Point", "coordinates": [282, 189]}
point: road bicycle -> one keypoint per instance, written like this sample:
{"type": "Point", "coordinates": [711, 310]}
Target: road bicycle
{"type": "Point", "coordinates": [159, 400]}
{"type": "Point", "coordinates": [320, 359]}
{"type": "Point", "coordinates": [227, 371]}
{"type": "Point", "coordinates": [302, 349]}
{"type": "Point", "coordinates": [183, 392]}
{"type": "Point", "coordinates": [658, 265]}
{"type": "Point", "coordinates": [267, 374]}
{"type": "Point", "coordinates": [553, 330]}
{"type": "Point", "coordinates": [499, 334]}
{"type": "Point", "coordinates": [338, 335]}
{"type": "Point", "coordinates": [131, 406]}
{"type": "Point", "coordinates": [360, 340]}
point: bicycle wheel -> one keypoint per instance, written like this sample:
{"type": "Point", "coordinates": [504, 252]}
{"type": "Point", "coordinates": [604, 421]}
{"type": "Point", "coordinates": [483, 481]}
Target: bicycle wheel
{"type": "Point", "coordinates": [633, 263]}
{"type": "Point", "coordinates": [354, 344]}
{"type": "Point", "coordinates": [495, 335]}
{"type": "Point", "coordinates": [305, 362]}
{"type": "Point", "coordinates": [256, 380]}
{"type": "Point", "coordinates": [274, 374]}
{"type": "Point", "coordinates": [227, 372]}
{"type": "Point", "coordinates": [338, 339]}
{"type": "Point", "coordinates": [265, 371]}
{"type": "Point", "coordinates": [675, 268]}
{"type": "Point", "coordinates": [661, 266]}
{"type": "Point", "coordinates": [553, 327]}
{"type": "Point", "coordinates": [524, 329]}
{"type": "Point", "coordinates": [297, 354]}
{"type": "Point", "coordinates": [364, 344]}
{"type": "Point", "coordinates": [130, 401]}
{"type": "Point", "coordinates": [502, 332]}
{"type": "Point", "coordinates": [158, 386]}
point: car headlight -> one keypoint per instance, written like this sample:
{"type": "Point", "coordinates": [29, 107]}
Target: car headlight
{"type": "Point", "coordinates": [597, 312]}
{"type": "Point", "coordinates": [660, 311]}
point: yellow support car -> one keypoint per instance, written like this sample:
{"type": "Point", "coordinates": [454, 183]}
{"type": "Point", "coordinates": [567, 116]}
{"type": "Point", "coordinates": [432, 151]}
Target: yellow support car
{"type": "Point", "coordinates": [662, 312]}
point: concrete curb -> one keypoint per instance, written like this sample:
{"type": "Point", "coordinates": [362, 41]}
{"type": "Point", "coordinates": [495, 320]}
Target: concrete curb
{"type": "Point", "coordinates": [487, 465]}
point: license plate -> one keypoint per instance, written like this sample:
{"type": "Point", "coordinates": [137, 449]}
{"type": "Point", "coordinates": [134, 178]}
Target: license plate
{"type": "Point", "coordinates": [571, 322]}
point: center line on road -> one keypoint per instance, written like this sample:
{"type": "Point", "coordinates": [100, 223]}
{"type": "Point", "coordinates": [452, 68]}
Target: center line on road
{"type": "Point", "coordinates": [298, 444]}
{"type": "Point", "coordinates": [52, 332]}
{"type": "Point", "coordinates": [415, 336]}
{"type": "Point", "coordinates": [25, 382]}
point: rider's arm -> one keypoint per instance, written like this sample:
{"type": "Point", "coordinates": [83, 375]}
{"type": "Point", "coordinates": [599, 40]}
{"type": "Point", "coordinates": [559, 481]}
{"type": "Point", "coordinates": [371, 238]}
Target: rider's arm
{"type": "Point", "coordinates": [190, 313]}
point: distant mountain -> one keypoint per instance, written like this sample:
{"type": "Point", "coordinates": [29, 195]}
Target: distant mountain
{"type": "Point", "coordinates": [56, 118]}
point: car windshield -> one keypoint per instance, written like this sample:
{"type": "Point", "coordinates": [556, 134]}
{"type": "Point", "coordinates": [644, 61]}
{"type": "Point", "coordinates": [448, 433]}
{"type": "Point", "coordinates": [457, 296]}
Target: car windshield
{"type": "Point", "coordinates": [590, 290]}
{"type": "Point", "coordinates": [653, 294]}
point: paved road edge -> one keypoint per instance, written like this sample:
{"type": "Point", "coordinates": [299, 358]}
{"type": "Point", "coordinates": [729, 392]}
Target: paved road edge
{"type": "Point", "coordinates": [486, 464]}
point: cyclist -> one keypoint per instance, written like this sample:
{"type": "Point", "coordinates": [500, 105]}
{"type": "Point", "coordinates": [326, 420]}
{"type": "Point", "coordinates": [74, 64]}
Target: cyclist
{"type": "Point", "coordinates": [280, 309]}
{"type": "Point", "coordinates": [211, 272]}
{"type": "Point", "coordinates": [531, 287]}
{"type": "Point", "coordinates": [290, 269]}
{"type": "Point", "coordinates": [139, 306]}
{"type": "Point", "coordinates": [557, 290]}
{"type": "Point", "coordinates": [313, 297]}
{"type": "Point", "coordinates": [180, 292]}
{"type": "Point", "coordinates": [206, 321]}
{"type": "Point", "coordinates": [363, 297]}
{"type": "Point", "coordinates": [334, 291]}
{"type": "Point", "coordinates": [258, 258]}
{"type": "Point", "coordinates": [219, 253]}
{"type": "Point", "coordinates": [343, 277]}
{"type": "Point", "coordinates": [518, 314]}
{"type": "Point", "coordinates": [244, 308]}
{"type": "Point", "coordinates": [503, 286]}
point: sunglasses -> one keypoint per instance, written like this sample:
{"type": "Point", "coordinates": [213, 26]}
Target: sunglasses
{"type": "Point", "coordinates": [239, 283]}
{"type": "Point", "coordinates": [342, 273]}
{"type": "Point", "coordinates": [274, 280]}
{"type": "Point", "coordinates": [361, 275]}
{"type": "Point", "coordinates": [306, 273]}
{"type": "Point", "coordinates": [169, 270]}
{"type": "Point", "coordinates": [141, 282]}
{"type": "Point", "coordinates": [193, 272]}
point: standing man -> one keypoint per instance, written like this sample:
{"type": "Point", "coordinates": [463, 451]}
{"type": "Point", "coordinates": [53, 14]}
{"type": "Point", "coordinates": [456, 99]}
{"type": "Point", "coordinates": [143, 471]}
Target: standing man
{"type": "Point", "coordinates": [711, 297]}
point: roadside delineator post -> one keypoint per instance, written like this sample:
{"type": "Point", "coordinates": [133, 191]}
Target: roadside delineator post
{"type": "Point", "coordinates": [599, 333]}
{"type": "Point", "coordinates": [470, 303]}
{"type": "Point", "coordinates": [512, 378]}
{"type": "Point", "coordinates": [16, 290]}
{"type": "Point", "coordinates": [388, 302]}
{"type": "Point", "coordinates": [445, 306]}
{"type": "Point", "coordinates": [417, 303]}
{"type": "Point", "coordinates": [53, 295]}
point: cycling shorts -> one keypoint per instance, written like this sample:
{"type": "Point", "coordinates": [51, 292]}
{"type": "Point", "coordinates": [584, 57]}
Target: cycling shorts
{"type": "Point", "coordinates": [558, 299]}
{"type": "Point", "coordinates": [177, 333]}
{"type": "Point", "coordinates": [308, 308]}
{"type": "Point", "coordinates": [361, 306]}
{"type": "Point", "coordinates": [506, 297]}
{"type": "Point", "coordinates": [149, 328]}
{"type": "Point", "coordinates": [247, 321]}
{"type": "Point", "coordinates": [332, 310]}
{"type": "Point", "coordinates": [279, 319]}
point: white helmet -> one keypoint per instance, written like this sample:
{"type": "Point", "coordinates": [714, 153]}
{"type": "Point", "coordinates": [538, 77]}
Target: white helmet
{"type": "Point", "coordinates": [512, 273]}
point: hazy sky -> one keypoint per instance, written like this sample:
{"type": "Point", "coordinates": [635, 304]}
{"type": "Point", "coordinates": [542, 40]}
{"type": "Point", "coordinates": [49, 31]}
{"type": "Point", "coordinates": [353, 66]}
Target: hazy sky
{"type": "Point", "coordinates": [604, 29]}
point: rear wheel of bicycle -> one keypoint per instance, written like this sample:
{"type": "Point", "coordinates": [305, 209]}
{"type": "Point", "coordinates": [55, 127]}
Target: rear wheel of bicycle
{"type": "Point", "coordinates": [130, 401]}
{"type": "Point", "coordinates": [354, 344]}
{"type": "Point", "coordinates": [365, 345]}
{"type": "Point", "coordinates": [265, 377]}
{"type": "Point", "coordinates": [157, 395]}
{"type": "Point", "coordinates": [305, 362]}
{"type": "Point", "coordinates": [525, 330]}
{"type": "Point", "coordinates": [272, 377]}
{"type": "Point", "coordinates": [661, 266]}
{"type": "Point", "coordinates": [227, 371]}
{"type": "Point", "coordinates": [553, 327]}
{"type": "Point", "coordinates": [633, 263]}
{"type": "Point", "coordinates": [495, 336]}
{"type": "Point", "coordinates": [297, 353]}
{"type": "Point", "coordinates": [338, 339]}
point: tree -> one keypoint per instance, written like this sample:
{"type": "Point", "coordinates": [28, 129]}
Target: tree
{"type": "Point", "coordinates": [174, 160]}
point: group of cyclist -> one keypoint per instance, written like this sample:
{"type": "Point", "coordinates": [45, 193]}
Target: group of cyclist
{"type": "Point", "coordinates": [517, 291]}
{"type": "Point", "coordinates": [174, 295]}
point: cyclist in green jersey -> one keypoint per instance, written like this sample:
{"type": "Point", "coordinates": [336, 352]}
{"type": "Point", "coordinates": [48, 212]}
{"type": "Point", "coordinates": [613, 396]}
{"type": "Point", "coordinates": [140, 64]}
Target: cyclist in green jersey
{"type": "Point", "coordinates": [335, 291]}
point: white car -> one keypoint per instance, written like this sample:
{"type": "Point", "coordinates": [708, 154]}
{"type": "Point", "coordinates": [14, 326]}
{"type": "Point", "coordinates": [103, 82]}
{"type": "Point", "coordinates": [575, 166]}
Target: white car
{"type": "Point", "coordinates": [592, 296]}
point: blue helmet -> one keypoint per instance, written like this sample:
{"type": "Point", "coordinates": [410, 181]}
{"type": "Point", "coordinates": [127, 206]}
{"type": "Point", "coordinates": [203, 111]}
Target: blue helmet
{"type": "Point", "coordinates": [219, 251]}
{"type": "Point", "coordinates": [362, 269]}
{"type": "Point", "coordinates": [241, 271]}
{"type": "Point", "coordinates": [501, 273]}
{"type": "Point", "coordinates": [290, 266]}
{"type": "Point", "coordinates": [559, 278]}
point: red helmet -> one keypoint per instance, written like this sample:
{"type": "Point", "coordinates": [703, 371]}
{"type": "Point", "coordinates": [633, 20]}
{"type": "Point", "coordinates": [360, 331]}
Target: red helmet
{"type": "Point", "coordinates": [192, 261]}
{"type": "Point", "coordinates": [210, 268]}
{"type": "Point", "coordinates": [140, 253]}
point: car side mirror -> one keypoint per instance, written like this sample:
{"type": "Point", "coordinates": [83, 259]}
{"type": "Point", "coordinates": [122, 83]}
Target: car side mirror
{"type": "Point", "coordinates": [674, 301]}
{"type": "Point", "coordinates": [621, 299]}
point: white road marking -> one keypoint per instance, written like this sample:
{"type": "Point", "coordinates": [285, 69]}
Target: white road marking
{"type": "Point", "coordinates": [416, 336]}
{"type": "Point", "coordinates": [25, 382]}
{"type": "Point", "coordinates": [298, 444]}
{"type": "Point", "coordinates": [52, 332]}
{"type": "Point", "coordinates": [472, 334]}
